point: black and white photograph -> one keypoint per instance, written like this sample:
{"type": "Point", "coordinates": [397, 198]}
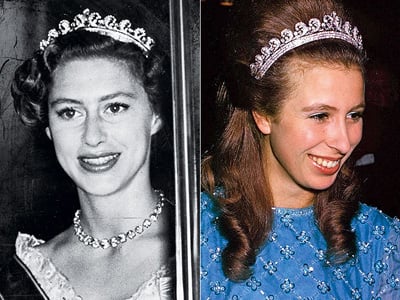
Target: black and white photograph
{"type": "Point", "coordinates": [98, 101]}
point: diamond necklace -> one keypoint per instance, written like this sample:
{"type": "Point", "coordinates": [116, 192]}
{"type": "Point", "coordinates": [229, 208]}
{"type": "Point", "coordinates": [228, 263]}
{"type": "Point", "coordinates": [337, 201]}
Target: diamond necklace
{"type": "Point", "coordinates": [116, 240]}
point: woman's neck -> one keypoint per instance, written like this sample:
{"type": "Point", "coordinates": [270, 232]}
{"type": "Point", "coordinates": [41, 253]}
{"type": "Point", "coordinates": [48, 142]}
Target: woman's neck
{"type": "Point", "coordinates": [293, 202]}
{"type": "Point", "coordinates": [291, 197]}
{"type": "Point", "coordinates": [107, 215]}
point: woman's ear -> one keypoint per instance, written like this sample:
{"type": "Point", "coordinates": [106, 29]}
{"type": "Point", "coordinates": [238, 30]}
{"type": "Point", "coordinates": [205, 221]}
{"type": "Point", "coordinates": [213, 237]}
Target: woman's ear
{"type": "Point", "coordinates": [156, 123]}
{"type": "Point", "coordinates": [263, 122]}
{"type": "Point", "coordinates": [48, 133]}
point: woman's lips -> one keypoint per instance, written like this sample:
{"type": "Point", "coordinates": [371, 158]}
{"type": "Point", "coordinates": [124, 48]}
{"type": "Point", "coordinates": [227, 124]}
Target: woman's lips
{"type": "Point", "coordinates": [98, 163]}
{"type": "Point", "coordinates": [325, 165]}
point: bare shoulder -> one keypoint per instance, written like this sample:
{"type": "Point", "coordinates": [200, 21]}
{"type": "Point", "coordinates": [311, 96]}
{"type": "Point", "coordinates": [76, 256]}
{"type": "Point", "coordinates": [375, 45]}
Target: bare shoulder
{"type": "Point", "coordinates": [58, 245]}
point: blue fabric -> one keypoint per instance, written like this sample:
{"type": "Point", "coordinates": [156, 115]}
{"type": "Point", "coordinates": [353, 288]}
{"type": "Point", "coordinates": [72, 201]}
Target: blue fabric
{"type": "Point", "coordinates": [292, 263]}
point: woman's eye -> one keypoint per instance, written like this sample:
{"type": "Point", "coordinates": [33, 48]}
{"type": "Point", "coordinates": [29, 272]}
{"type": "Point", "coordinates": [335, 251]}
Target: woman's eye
{"type": "Point", "coordinates": [115, 108]}
{"type": "Point", "coordinates": [319, 116]}
{"type": "Point", "coordinates": [355, 116]}
{"type": "Point", "coordinates": [67, 113]}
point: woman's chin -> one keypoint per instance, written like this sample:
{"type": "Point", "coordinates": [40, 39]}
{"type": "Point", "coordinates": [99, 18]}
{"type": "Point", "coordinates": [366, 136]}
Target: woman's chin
{"type": "Point", "coordinates": [321, 185]}
{"type": "Point", "coordinates": [98, 189]}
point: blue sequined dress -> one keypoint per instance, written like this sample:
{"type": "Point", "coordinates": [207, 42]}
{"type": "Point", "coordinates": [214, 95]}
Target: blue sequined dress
{"type": "Point", "coordinates": [292, 263]}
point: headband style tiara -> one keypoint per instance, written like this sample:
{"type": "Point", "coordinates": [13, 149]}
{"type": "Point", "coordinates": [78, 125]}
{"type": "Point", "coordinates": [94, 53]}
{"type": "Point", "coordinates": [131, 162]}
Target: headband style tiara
{"type": "Point", "coordinates": [108, 26]}
{"type": "Point", "coordinates": [331, 27]}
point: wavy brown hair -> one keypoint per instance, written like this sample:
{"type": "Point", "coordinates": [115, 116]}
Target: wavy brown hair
{"type": "Point", "coordinates": [236, 162]}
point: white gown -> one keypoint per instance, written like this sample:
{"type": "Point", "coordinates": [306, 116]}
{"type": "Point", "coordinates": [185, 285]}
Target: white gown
{"type": "Point", "coordinates": [56, 286]}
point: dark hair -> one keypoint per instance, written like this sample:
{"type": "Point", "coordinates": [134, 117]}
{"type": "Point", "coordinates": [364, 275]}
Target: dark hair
{"type": "Point", "coordinates": [30, 88]}
{"type": "Point", "coordinates": [246, 206]}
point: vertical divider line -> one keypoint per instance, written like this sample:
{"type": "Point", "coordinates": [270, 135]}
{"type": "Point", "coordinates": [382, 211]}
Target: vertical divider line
{"type": "Point", "coordinates": [186, 149]}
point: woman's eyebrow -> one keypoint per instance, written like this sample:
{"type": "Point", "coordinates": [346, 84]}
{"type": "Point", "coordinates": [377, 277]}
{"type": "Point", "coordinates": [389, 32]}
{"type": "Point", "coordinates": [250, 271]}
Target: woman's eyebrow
{"type": "Point", "coordinates": [318, 106]}
{"type": "Point", "coordinates": [63, 101]}
{"type": "Point", "coordinates": [118, 94]}
{"type": "Point", "coordinates": [58, 101]}
{"type": "Point", "coordinates": [361, 105]}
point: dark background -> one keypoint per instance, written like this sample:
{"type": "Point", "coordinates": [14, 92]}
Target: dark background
{"type": "Point", "coordinates": [378, 22]}
{"type": "Point", "coordinates": [36, 197]}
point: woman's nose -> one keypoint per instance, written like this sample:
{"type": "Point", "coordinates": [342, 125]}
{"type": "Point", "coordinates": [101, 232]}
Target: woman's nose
{"type": "Point", "coordinates": [94, 133]}
{"type": "Point", "coordinates": [339, 137]}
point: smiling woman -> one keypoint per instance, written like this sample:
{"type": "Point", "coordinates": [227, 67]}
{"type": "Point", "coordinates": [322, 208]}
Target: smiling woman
{"type": "Point", "coordinates": [100, 90]}
{"type": "Point", "coordinates": [280, 217]}
{"type": "Point", "coordinates": [321, 118]}
{"type": "Point", "coordinates": [101, 123]}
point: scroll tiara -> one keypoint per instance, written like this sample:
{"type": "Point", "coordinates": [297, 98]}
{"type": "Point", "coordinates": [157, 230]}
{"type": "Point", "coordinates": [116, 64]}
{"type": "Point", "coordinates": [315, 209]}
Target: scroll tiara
{"type": "Point", "coordinates": [331, 27]}
{"type": "Point", "coordinates": [93, 22]}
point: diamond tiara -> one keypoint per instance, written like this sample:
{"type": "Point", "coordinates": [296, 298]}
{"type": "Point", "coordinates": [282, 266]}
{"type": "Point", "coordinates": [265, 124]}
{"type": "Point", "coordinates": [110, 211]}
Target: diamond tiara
{"type": "Point", "coordinates": [331, 27]}
{"type": "Point", "coordinates": [93, 22]}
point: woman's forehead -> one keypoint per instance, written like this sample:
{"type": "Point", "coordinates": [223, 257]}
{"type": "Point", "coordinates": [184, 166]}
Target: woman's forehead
{"type": "Point", "coordinates": [96, 62]}
{"type": "Point", "coordinates": [96, 76]}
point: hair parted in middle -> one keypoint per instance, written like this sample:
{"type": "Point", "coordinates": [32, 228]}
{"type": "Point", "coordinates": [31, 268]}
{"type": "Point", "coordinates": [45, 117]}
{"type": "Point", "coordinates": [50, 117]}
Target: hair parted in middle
{"type": "Point", "coordinates": [237, 162]}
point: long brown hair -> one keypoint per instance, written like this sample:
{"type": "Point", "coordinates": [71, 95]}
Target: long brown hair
{"type": "Point", "coordinates": [236, 161]}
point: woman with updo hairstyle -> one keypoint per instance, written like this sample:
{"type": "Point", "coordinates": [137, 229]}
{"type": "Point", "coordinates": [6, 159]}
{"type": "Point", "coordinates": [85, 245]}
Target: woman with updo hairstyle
{"type": "Point", "coordinates": [280, 218]}
{"type": "Point", "coordinates": [100, 89]}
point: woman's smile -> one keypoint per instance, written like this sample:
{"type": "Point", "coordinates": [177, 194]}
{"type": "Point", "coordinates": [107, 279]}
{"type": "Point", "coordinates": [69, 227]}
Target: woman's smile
{"type": "Point", "coordinates": [327, 166]}
{"type": "Point", "coordinates": [98, 163]}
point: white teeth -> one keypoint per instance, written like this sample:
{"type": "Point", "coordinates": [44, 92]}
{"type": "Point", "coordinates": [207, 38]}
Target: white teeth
{"type": "Point", "coordinates": [325, 163]}
{"type": "Point", "coordinates": [99, 160]}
